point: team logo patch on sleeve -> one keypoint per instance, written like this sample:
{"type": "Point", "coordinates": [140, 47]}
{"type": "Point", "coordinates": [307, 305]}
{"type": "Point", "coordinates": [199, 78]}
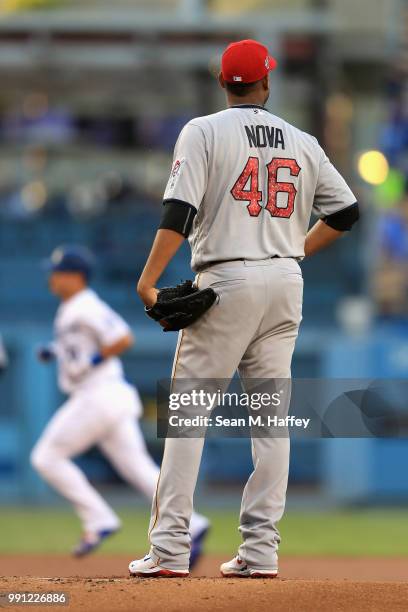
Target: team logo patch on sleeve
{"type": "Point", "coordinates": [176, 172]}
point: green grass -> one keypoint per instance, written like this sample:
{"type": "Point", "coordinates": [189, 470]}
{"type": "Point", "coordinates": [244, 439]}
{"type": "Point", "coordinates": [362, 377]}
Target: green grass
{"type": "Point", "coordinates": [365, 532]}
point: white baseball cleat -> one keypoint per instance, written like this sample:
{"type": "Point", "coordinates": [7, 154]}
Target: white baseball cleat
{"type": "Point", "coordinates": [239, 569]}
{"type": "Point", "coordinates": [147, 568]}
{"type": "Point", "coordinates": [235, 567]}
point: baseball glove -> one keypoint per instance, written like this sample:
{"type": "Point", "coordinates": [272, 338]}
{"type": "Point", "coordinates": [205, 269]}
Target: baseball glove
{"type": "Point", "coordinates": [180, 306]}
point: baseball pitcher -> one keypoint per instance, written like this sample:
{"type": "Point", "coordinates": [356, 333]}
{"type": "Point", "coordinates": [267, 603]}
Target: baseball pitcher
{"type": "Point", "coordinates": [242, 189]}
{"type": "Point", "coordinates": [102, 408]}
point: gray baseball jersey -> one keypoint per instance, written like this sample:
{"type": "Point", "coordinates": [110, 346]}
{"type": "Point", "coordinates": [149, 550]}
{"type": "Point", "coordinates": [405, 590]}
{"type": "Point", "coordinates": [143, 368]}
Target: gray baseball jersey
{"type": "Point", "coordinates": [255, 181]}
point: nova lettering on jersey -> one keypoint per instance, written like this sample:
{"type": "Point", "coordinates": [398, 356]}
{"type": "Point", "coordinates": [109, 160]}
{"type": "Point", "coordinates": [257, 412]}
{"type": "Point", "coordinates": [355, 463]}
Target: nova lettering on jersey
{"type": "Point", "coordinates": [264, 136]}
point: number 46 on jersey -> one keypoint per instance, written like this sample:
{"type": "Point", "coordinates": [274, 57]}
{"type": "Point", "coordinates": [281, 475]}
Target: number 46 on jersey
{"type": "Point", "coordinates": [250, 176]}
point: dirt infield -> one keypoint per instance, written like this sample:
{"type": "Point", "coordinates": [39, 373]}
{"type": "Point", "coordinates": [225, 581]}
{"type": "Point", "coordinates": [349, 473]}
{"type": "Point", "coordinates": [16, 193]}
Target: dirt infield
{"type": "Point", "coordinates": [306, 584]}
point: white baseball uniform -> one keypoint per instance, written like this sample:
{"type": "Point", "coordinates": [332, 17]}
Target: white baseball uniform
{"type": "Point", "coordinates": [254, 181]}
{"type": "Point", "coordinates": [102, 410]}
{"type": "Point", "coordinates": [82, 326]}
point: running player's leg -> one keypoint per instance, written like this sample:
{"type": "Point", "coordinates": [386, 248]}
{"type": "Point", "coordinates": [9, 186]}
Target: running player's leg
{"type": "Point", "coordinates": [126, 449]}
{"type": "Point", "coordinates": [269, 358]}
{"type": "Point", "coordinates": [74, 428]}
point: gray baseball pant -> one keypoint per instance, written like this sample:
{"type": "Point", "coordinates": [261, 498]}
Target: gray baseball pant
{"type": "Point", "coordinates": [252, 328]}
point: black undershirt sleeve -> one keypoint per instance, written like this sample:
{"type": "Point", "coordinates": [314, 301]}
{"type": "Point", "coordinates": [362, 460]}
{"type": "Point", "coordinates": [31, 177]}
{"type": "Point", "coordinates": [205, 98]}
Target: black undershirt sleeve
{"type": "Point", "coordinates": [343, 220]}
{"type": "Point", "coordinates": [178, 216]}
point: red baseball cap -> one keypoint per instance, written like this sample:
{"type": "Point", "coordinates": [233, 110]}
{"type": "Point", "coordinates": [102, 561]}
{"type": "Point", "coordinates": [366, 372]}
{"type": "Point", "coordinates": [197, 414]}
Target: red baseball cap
{"type": "Point", "coordinates": [246, 61]}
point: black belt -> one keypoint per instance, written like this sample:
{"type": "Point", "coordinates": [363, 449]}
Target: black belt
{"type": "Point", "coordinates": [222, 261]}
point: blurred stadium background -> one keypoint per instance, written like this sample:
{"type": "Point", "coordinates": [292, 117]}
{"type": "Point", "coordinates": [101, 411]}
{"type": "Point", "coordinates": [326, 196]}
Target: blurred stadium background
{"type": "Point", "coordinates": [93, 95]}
